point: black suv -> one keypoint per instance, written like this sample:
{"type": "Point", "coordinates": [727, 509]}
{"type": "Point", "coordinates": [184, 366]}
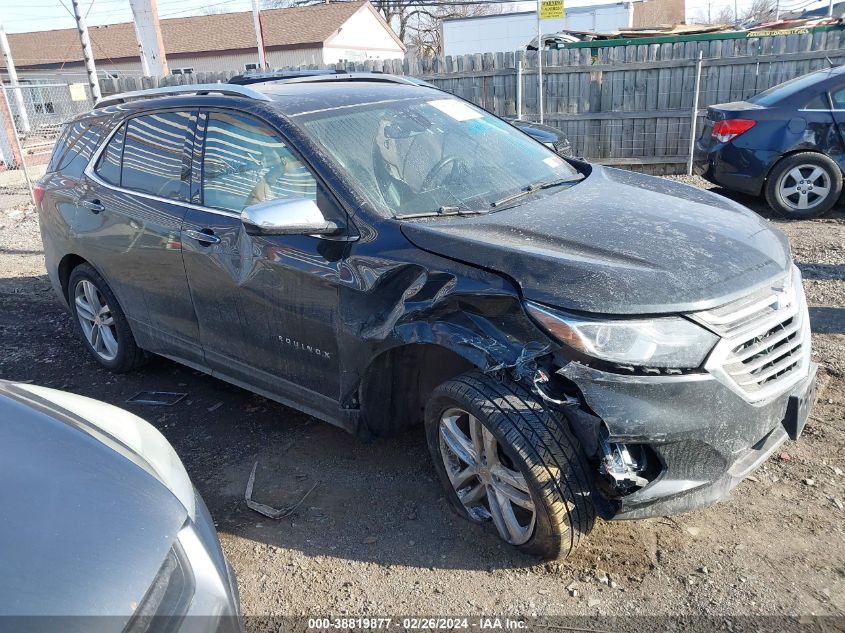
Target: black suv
{"type": "Point", "coordinates": [576, 340]}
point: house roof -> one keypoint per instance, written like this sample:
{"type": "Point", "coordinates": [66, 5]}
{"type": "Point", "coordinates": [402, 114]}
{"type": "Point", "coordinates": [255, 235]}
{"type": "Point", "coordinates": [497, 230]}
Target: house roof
{"type": "Point", "coordinates": [289, 27]}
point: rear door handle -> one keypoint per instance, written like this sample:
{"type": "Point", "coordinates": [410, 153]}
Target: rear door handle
{"type": "Point", "coordinates": [93, 205]}
{"type": "Point", "coordinates": [200, 236]}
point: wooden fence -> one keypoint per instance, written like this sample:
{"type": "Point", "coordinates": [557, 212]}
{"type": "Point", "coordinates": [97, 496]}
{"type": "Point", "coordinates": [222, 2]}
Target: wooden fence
{"type": "Point", "coordinates": [629, 104]}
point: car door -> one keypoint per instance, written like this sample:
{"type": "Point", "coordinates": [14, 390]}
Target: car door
{"type": "Point", "coordinates": [138, 187]}
{"type": "Point", "coordinates": [266, 304]}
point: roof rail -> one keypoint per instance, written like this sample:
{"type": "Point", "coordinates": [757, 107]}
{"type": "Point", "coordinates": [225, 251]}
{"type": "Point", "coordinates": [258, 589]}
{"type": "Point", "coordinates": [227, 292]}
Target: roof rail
{"type": "Point", "coordinates": [340, 75]}
{"type": "Point", "coordinates": [353, 76]}
{"type": "Point", "coordinates": [200, 89]}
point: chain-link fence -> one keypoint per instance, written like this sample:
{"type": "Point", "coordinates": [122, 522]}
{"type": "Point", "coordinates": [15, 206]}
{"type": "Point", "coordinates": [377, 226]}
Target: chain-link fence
{"type": "Point", "coordinates": [31, 119]}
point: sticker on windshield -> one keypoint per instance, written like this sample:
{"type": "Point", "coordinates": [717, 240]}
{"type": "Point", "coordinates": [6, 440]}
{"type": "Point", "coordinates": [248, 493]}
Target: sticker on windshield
{"type": "Point", "coordinates": [458, 110]}
{"type": "Point", "coordinates": [553, 161]}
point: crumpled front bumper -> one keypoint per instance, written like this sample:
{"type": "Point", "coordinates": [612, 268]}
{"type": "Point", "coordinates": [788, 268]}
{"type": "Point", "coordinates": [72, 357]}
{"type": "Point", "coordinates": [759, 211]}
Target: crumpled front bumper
{"type": "Point", "coordinates": [706, 437]}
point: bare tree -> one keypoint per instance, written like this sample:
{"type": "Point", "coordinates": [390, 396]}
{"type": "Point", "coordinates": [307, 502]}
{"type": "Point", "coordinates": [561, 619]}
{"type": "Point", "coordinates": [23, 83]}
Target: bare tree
{"type": "Point", "coordinates": [724, 15]}
{"type": "Point", "coordinates": [759, 11]}
{"type": "Point", "coordinates": [423, 28]}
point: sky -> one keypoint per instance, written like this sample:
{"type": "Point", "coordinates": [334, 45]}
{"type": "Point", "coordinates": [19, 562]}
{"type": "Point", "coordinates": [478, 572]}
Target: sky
{"type": "Point", "coordinates": [42, 15]}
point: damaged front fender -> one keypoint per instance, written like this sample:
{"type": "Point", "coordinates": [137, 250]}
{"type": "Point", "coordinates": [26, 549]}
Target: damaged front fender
{"type": "Point", "coordinates": [416, 299]}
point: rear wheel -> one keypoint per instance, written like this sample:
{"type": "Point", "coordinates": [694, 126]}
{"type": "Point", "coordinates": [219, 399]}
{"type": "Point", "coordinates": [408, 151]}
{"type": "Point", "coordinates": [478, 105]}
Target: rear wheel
{"type": "Point", "coordinates": [100, 321]}
{"type": "Point", "coordinates": [804, 185]}
{"type": "Point", "coordinates": [505, 459]}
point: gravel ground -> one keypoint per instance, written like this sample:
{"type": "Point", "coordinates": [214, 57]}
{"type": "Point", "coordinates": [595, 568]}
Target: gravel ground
{"type": "Point", "coordinates": [375, 537]}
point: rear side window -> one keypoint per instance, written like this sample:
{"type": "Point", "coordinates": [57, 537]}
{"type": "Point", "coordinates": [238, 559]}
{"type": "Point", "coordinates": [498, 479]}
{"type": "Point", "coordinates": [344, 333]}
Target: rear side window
{"type": "Point", "coordinates": [818, 103]}
{"type": "Point", "coordinates": [75, 147]}
{"type": "Point", "coordinates": [108, 167]}
{"type": "Point", "coordinates": [154, 154]}
{"type": "Point", "coordinates": [787, 89]}
{"type": "Point", "coordinates": [838, 97]}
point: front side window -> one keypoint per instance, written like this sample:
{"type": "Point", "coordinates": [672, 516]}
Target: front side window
{"type": "Point", "coordinates": [108, 166]}
{"type": "Point", "coordinates": [423, 155]}
{"type": "Point", "coordinates": [245, 162]}
{"type": "Point", "coordinates": [154, 154]}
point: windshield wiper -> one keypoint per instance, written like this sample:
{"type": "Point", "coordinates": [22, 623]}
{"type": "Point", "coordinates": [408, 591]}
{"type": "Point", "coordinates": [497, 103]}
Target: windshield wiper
{"type": "Point", "coordinates": [537, 186]}
{"type": "Point", "coordinates": [442, 211]}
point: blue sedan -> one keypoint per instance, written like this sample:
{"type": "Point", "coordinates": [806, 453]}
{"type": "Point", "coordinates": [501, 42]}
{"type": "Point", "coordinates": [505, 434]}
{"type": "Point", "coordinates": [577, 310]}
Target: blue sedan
{"type": "Point", "coordinates": [786, 143]}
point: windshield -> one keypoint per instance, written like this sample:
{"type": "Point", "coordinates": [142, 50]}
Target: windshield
{"type": "Point", "coordinates": [418, 156]}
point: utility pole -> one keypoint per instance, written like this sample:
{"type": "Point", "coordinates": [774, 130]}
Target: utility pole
{"type": "Point", "coordinates": [23, 117]}
{"type": "Point", "coordinates": [830, 8]}
{"type": "Point", "coordinates": [540, 48]}
{"type": "Point", "coordinates": [87, 53]}
{"type": "Point", "coordinates": [148, 32]}
{"type": "Point", "coordinates": [259, 35]}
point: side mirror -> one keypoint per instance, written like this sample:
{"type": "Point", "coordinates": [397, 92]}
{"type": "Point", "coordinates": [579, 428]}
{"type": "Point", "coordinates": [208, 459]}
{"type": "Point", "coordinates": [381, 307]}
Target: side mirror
{"type": "Point", "coordinates": [287, 216]}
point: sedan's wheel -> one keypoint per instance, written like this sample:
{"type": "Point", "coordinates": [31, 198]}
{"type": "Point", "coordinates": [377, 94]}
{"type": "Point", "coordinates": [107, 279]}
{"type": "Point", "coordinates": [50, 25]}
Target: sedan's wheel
{"type": "Point", "coordinates": [804, 185]}
{"type": "Point", "coordinates": [506, 460]}
{"type": "Point", "coordinates": [482, 476]}
{"type": "Point", "coordinates": [100, 321]}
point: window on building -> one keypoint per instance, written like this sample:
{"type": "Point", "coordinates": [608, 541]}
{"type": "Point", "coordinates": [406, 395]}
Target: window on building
{"type": "Point", "coordinates": [250, 67]}
{"type": "Point", "coordinates": [182, 71]}
{"type": "Point", "coordinates": [154, 152]}
{"type": "Point", "coordinates": [245, 162]}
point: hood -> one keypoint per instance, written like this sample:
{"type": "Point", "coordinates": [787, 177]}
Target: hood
{"type": "Point", "coordinates": [618, 243]}
{"type": "Point", "coordinates": [77, 516]}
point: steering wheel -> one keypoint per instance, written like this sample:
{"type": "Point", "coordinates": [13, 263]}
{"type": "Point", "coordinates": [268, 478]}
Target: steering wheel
{"type": "Point", "coordinates": [439, 167]}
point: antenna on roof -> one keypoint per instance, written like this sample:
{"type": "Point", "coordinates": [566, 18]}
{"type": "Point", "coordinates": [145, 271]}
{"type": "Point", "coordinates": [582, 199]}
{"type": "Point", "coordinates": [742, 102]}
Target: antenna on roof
{"type": "Point", "coordinates": [829, 61]}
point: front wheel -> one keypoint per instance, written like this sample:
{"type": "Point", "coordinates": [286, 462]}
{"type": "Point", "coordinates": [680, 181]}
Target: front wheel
{"type": "Point", "coordinates": [804, 185]}
{"type": "Point", "coordinates": [505, 459]}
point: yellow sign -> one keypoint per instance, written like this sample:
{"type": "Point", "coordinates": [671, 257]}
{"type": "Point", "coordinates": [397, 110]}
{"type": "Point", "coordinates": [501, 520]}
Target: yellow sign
{"type": "Point", "coordinates": [77, 92]}
{"type": "Point", "coordinates": [551, 9]}
{"type": "Point", "coordinates": [797, 30]}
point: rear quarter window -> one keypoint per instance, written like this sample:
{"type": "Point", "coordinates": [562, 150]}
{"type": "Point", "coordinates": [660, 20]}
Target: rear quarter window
{"type": "Point", "coordinates": [788, 89]}
{"type": "Point", "coordinates": [75, 148]}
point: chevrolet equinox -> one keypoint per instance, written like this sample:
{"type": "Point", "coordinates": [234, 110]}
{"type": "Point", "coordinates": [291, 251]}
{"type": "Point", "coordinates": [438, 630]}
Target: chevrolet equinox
{"type": "Point", "coordinates": [576, 340]}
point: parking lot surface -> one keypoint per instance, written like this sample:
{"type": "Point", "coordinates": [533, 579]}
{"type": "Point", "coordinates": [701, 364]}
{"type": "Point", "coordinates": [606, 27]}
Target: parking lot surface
{"type": "Point", "coordinates": [375, 535]}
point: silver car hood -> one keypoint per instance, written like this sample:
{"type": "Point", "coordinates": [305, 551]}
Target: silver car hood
{"type": "Point", "coordinates": [84, 528]}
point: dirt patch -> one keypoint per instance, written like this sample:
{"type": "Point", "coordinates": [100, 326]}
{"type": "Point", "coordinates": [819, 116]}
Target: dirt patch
{"type": "Point", "coordinates": [376, 537]}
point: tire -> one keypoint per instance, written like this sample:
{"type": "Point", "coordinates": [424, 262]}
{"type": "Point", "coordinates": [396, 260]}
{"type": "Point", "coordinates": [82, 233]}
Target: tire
{"type": "Point", "coordinates": [535, 451]}
{"type": "Point", "coordinates": [116, 349]}
{"type": "Point", "coordinates": [804, 174]}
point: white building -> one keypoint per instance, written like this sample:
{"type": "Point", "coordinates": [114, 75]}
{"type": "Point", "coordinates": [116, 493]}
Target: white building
{"type": "Point", "coordinates": [513, 31]}
{"type": "Point", "coordinates": [317, 34]}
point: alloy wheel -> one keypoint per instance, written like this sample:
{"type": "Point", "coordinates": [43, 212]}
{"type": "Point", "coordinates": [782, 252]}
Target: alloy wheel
{"type": "Point", "coordinates": [804, 187]}
{"type": "Point", "coordinates": [96, 319]}
{"type": "Point", "coordinates": [486, 481]}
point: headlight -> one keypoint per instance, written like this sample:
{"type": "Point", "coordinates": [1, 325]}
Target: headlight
{"type": "Point", "coordinates": [168, 598]}
{"type": "Point", "coordinates": [661, 342]}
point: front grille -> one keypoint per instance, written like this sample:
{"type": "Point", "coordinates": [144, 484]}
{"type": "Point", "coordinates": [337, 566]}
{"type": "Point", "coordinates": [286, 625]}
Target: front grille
{"type": "Point", "coordinates": [765, 346]}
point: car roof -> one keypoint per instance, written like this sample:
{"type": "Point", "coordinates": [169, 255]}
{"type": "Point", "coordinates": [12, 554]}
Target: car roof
{"type": "Point", "coordinates": [290, 97]}
{"type": "Point", "coordinates": [300, 98]}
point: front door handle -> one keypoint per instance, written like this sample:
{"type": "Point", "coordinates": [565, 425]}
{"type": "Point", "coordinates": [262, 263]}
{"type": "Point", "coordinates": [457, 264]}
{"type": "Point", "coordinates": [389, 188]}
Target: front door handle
{"type": "Point", "coordinates": [202, 237]}
{"type": "Point", "coordinates": [93, 205]}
